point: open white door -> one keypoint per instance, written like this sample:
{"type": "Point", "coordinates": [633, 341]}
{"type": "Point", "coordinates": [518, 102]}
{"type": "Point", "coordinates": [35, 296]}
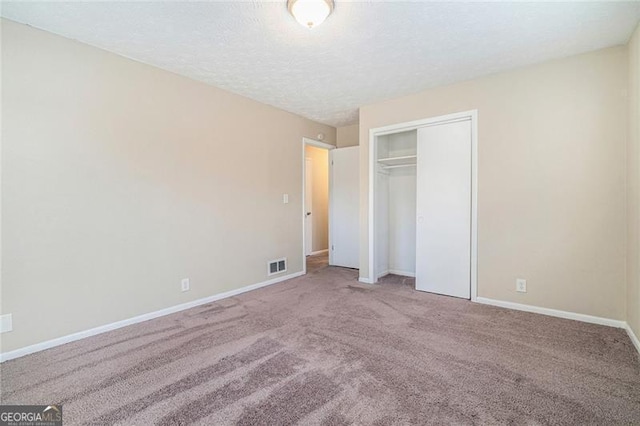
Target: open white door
{"type": "Point", "coordinates": [443, 204]}
{"type": "Point", "coordinates": [345, 207]}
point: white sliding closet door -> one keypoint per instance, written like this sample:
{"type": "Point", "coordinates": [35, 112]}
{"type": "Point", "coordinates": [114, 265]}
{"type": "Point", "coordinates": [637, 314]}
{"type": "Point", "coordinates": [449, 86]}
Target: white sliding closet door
{"type": "Point", "coordinates": [443, 205]}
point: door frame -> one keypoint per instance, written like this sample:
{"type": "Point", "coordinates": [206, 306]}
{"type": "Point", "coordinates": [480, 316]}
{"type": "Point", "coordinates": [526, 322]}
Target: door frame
{"type": "Point", "coordinates": [328, 147]}
{"type": "Point", "coordinates": [414, 125]}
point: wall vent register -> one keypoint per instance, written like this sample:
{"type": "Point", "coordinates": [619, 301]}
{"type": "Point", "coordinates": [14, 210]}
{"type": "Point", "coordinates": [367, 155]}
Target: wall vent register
{"type": "Point", "coordinates": [277, 266]}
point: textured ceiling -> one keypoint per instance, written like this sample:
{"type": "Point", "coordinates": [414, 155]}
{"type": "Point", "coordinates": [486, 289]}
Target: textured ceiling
{"type": "Point", "coordinates": [363, 53]}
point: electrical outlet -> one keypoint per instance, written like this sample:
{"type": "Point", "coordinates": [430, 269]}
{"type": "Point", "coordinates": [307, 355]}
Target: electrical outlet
{"type": "Point", "coordinates": [6, 323]}
{"type": "Point", "coordinates": [185, 284]}
{"type": "Point", "coordinates": [521, 285]}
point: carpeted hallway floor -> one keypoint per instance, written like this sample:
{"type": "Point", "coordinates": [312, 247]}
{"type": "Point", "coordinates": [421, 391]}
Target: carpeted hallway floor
{"type": "Point", "coordinates": [325, 349]}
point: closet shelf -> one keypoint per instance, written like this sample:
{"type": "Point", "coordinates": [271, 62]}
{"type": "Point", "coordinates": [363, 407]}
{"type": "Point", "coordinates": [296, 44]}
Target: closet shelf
{"type": "Point", "coordinates": [399, 166]}
{"type": "Point", "coordinates": [392, 162]}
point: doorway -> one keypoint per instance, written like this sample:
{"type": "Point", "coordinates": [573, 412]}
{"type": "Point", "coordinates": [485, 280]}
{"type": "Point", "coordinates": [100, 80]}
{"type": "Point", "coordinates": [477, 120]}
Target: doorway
{"type": "Point", "coordinates": [308, 201]}
{"type": "Point", "coordinates": [315, 194]}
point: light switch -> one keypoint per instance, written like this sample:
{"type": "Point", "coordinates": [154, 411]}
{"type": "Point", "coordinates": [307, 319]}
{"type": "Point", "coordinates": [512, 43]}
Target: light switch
{"type": "Point", "coordinates": [285, 198]}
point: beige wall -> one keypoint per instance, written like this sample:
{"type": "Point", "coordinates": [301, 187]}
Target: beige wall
{"type": "Point", "coordinates": [347, 136]}
{"type": "Point", "coordinates": [551, 178]}
{"type": "Point", "coordinates": [633, 187]}
{"type": "Point", "coordinates": [119, 179]}
{"type": "Point", "coordinates": [320, 167]}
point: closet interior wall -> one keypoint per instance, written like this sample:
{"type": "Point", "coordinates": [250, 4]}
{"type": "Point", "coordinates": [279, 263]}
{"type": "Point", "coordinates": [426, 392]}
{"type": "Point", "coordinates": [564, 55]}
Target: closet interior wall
{"type": "Point", "coordinates": [396, 204]}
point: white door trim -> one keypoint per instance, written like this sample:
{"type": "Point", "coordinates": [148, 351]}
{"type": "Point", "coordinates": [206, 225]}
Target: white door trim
{"type": "Point", "coordinates": [318, 144]}
{"type": "Point", "coordinates": [413, 125]}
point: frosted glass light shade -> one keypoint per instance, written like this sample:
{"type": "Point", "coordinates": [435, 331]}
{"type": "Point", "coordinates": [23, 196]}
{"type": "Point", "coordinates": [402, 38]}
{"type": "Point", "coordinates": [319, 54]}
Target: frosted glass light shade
{"type": "Point", "coordinates": [310, 13]}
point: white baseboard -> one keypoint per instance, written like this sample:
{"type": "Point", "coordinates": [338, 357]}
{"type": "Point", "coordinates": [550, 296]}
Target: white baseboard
{"type": "Point", "coordinates": [553, 312]}
{"type": "Point", "coordinates": [402, 273]}
{"type": "Point", "coordinates": [313, 253]}
{"type": "Point", "coordinates": [140, 318]}
{"type": "Point", "coordinates": [633, 337]}
{"type": "Point", "coordinates": [385, 273]}
{"type": "Point", "coordinates": [396, 272]}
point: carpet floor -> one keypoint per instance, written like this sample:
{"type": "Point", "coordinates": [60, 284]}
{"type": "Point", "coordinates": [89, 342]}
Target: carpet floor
{"type": "Point", "coordinates": [324, 349]}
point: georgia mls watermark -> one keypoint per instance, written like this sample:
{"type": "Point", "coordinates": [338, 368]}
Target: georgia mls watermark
{"type": "Point", "coordinates": [30, 415]}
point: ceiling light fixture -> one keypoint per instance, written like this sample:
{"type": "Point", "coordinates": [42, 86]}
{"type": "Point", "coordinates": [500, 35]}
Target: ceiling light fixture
{"type": "Point", "coordinates": [310, 13]}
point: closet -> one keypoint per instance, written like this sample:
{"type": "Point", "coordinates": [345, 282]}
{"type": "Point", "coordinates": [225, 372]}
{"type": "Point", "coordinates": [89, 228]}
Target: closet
{"type": "Point", "coordinates": [423, 206]}
{"type": "Point", "coordinates": [396, 204]}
